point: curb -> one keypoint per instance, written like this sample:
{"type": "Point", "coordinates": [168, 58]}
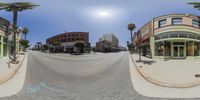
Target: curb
{"type": "Point", "coordinates": [160, 83]}
{"type": "Point", "coordinates": [12, 71]}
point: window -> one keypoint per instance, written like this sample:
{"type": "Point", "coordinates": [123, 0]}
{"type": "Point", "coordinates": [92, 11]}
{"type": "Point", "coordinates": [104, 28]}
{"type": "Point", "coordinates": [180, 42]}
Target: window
{"type": "Point", "coordinates": [162, 22]}
{"type": "Point", "coordinates": [163, 36]}
{"type": "Point", "coordinates": [5, 39]}
{"type": "Point", "coordinates": [5, 28]}
{"type": "Point", "coordinates": [176, 21]}
{"type": "Point", "coordinates": [192, 36]}
{"type": "Point", "coordinates": [183, 35]}
{"type": "Point", "coordinates": [196, 49]}
{"type": "Point", "coordinates": [189, 49]}
{"type": "Point", "coordinates": [195, 23]}
{"type": "Point", "coordinates": [174, 35]}
{"type": "Point", "coordinates": [198, 37]}
{"type": "Point", "coordinates": [167, 48]}
{"type": "Point", "coordinates": [146, 31]}
{"type": "Point", "coordinates": [159, 48]}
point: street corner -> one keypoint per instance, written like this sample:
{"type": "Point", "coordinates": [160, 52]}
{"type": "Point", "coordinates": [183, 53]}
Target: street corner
{"type": "Point", "coordinates": [145, 82]}
{"type": "Point", "coordinates": [12, 69]}
{"type": "Point", "coordinates": [171, 73]}
{"type": "Point", "coordinates": [13, 80]}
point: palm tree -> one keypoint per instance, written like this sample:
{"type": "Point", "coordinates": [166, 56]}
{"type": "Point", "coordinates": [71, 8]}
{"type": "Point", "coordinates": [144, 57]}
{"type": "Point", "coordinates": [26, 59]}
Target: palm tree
{"type": "Point", "coordinates": [15, 8]}
{"type": "Point", "coordinates": [131, 27]}
{"type": "Point", "coordinates": [25, 32]}
{"type": "Point", "coordinates": [195, 5]}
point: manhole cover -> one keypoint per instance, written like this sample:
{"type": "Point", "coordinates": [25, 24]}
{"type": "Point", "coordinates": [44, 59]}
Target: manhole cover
{"type": "Point", "coordinates": [197, 75]}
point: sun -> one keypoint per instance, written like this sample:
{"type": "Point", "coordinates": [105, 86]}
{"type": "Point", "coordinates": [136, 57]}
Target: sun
{"type": "Point", "coordinates": [103, 14]}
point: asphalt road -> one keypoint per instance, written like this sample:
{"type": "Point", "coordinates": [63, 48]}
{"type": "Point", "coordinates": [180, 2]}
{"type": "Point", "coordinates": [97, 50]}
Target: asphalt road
{"type": "Point", "coordinates": [85, 77]}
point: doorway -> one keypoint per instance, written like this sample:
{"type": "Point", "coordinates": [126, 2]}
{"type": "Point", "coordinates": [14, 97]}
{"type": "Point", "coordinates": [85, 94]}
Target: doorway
{"type": "Point", "coordinates": [178, 51]}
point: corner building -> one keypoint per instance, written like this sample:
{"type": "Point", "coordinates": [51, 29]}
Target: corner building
{"type": "Point", "coordinates": [67, 41]}
{"type": "Point", "coordinates": [4, 31]}
{"type": "Point", "coordinates": [170, 36]}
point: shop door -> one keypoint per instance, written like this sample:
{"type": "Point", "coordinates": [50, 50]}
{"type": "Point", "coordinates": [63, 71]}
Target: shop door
{"type": "Point", "coordinates": [178, 51]}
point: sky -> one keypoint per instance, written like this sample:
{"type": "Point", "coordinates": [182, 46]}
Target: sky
{"type": "Point", "coordinates": [97, 17]}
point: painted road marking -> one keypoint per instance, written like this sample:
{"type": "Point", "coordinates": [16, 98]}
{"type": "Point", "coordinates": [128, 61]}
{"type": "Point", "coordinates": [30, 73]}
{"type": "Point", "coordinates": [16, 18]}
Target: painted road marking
{"type": "Point", "coordinates": [42, 86]}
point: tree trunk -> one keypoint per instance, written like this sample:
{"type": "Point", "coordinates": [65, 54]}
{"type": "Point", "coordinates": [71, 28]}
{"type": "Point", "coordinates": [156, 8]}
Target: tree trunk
{"type": "Point", "coordinates": [15, 32]}
{"type": "Point", "coordinates": [131, 49]}
{"type": "Point", "coordinates": [25, 36]}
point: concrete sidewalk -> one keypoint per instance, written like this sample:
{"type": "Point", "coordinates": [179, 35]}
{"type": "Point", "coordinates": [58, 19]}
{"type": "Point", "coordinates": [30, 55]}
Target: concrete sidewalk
{"type": "Point", "coordinates": [4, 66]}
{"type": "Point", "coordinates": [8, 70]}
{"type": "Point", "coordinates": [15, 78]}
{"type": "Point", "coordinates": [172, 73]}
{"type": "Point", "coordinates": [146, 88]}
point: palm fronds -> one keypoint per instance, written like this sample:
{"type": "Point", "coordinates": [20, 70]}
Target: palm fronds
{"type": "Point", "coordinates": [195, 5]}
{"type": "Point", "coordinates": [17, 6]}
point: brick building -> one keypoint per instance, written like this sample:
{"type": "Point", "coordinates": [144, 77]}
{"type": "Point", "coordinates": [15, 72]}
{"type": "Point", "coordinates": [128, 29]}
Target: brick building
{"type": "Point", "coordinates": [65, 42]}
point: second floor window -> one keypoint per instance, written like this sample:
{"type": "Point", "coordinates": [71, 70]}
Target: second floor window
{"type": "Point", "coordinates": [5, 28]}
{"type": "Point", "coordinates": [162, 22]}
{"type": "Point", "coordinates": [195, 23]}
{"type": "Point", "coordinates": [176, 21]}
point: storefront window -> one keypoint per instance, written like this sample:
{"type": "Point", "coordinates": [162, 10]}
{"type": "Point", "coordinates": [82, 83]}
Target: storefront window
{"type": "Point", "coordinates": [159, 48]}
{"type": "Point", "coordinates": [190, 49]}
{"type": "Point", "coordinates": [4, 50]}
{"type": "Point", "coordinates": [0, 45]}
{"type": "Point", "coordinates": [196, 49]}
{"type": "Point", "coordinates": [167, 49]}
{"type": "Point", "coordinates": [5, 40]}
{"type": "Point", "coordinates": [0, 48]}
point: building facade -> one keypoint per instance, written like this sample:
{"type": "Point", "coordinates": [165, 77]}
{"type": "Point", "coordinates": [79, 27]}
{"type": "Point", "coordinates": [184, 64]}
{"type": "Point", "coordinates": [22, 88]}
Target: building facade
{"type": "Point", "coordinates": [170, 36]}
{"type": "Point", "coordinates": [65, 42]}
{"type": "Point", "coordinates": [107, 43]}
{"type": "Point", "coordinates": [4, 32]}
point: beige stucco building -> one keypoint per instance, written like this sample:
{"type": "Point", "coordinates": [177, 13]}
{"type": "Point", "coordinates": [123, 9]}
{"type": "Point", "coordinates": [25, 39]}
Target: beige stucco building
{"type": "Point", "coordinates": [6, 31]}
{"type": "Point", "coordinates": [170, 36]}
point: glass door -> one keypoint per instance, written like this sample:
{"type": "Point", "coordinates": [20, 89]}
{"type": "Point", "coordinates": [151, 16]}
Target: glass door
{"type": "Point", "coordinates": [181, 51]}
{"type": "Point", "coordinates": [175, 52]}
{"type": "Point", "coordinates": [178, 51]}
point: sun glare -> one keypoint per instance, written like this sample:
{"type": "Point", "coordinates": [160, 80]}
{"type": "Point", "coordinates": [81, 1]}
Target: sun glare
{"type": "Point", "coordinates": [103, 14]}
